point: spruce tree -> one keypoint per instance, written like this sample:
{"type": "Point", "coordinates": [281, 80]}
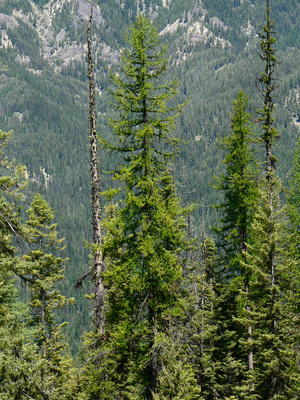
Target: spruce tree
{"type": "Point", "coordinates": [239, 186]}
{"type": "Point", "coordinates": [239, 183]}
{"type": "Point", "coordinates": [12, 185]}
{"type": "Point", "coordinates": [293, 202]}
{"type": "Point", "coordinates": [273, 311]}
{"type": "Point", "coordinates": [145, 232]}
{"type": "Point", "coordinates": [31, 362]}
{"type": "Point", "coordinates": [42, 269]}
{"type": "Point", "coordinates": [272, 267]}
{"type": "Point", "coordinates": [176, 380]}
{"type": "Point", "coordinates": [201, 329]}
{"type": "Point", "coordinates": [11, 322]}
{"type": "Point", "coordinates": [266, 87]}
{"type": "Point", "coordinates": [45, 270]}
{"type": "Point", "coordinates": [20, 365]}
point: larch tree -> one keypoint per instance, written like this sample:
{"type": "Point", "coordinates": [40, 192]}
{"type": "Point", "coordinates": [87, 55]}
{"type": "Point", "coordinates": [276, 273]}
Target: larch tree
{"type": "Point", "coordinates": [26, 371]}
{"type": "Point", "coordinates": [145, 231]}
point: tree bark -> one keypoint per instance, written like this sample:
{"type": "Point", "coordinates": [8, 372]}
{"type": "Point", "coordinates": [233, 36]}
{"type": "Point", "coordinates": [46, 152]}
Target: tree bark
{"type": "Point", "coordinates": [95, 186]}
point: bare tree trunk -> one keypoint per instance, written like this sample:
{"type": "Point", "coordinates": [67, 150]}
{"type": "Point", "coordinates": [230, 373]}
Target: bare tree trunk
{"type": "Point", "coordinates": [269, 139]}
{"type": "Point", "coordinates": [43, 321]}
{"type": "Point", "coordinates": [243, 253]}
{"type": "Point", "coordinates": [95, 185]}
{"type": "Point", "coordinates": [250, 353]}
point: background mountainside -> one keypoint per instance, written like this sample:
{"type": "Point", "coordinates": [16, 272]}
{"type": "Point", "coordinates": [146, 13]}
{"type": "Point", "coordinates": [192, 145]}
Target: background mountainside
{"type": "Point", "coordinates": [213, 49]}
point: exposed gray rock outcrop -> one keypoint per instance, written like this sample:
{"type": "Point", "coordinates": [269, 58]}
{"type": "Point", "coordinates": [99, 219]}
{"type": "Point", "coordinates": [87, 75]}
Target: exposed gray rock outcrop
{"type": "Point", "coordinates": [83, 13]}
{"type": "Point", "coordinates": [7, 21]}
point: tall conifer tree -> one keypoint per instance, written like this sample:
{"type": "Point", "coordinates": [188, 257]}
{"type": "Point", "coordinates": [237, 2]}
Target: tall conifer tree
{"type": "Point", "coordinates": [24, 373]}
{"type": "Point", "coordinates": [293, 201]}
{"type": "Point", "coordinates": [41, 269]}
{"type": "Point", "coordinates": [12, 367]}
{"type": "Point", "coordinates": [273, 268]}
{"type": "Point", "coordinates": [45, 269]}
{"type": "Point", "coordinates": [239, 185]}
{"type": "Point", "coordinates": [12, 364]}
{"type": "Point", "coordinates": [272, 305]}
{"type": "Point", "coordinates": [145, 232]}
{"type": "Point", "coordinates": [201, 329]}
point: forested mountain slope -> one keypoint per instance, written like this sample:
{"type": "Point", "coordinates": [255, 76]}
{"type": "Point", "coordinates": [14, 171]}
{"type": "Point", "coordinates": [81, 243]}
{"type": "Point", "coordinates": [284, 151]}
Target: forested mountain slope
{"type": "Point", "coordinates": [213, 50]}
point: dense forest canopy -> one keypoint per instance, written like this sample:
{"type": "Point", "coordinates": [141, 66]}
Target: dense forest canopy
{"type": "Point", "coordinates": [191, 291]}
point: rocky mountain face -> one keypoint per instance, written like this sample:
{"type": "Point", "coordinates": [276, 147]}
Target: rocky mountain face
{"type": "Point", "coordinates": [213, 51]}
{"type": "Point", "coordinates": [56, 23]}
{"type": "Point", "coordinates": [54, 45]}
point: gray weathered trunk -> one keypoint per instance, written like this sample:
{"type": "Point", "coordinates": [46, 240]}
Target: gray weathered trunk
{"type": "Point", "coordinates": [95, 185]}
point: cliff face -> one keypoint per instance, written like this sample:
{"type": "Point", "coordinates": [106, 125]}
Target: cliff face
{"type": "Point", "coordinates": [60, 25]}
{"type": "Point", "coordinates": [52, 22]}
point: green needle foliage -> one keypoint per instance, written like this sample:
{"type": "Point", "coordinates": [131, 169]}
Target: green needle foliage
{"type": "Point", "coordinates": [20, 366]}
{"type": "Point", "coordinates": [176, 379]}
{"type": "Point", "coordinates": [42, 270]}
{"type": "Point", "coordinates": [266, 86]}
{"type": "Point", "coordinates": [293, 201]}
{"type": "Point", "coordinates": [271, 265]}
{"type": "Point", "coordinates": [144, 121]}
{"type": "Point", "coordinates": [240, 188]}
{"type": "Point", "coordinates": [200, 330]}
{"type": "Point", "coordinates": [12, 184]}
{"type": "Point", "coordinates": [272, 292]}
{"type": "Point", "coordinates": [12, 362]}
{"type": "Point", "coordinates": [239, 183]}
{"type": "Point", "coordinates": [145, 232]}
{"type": "Point", "coordinates": [45, 268]}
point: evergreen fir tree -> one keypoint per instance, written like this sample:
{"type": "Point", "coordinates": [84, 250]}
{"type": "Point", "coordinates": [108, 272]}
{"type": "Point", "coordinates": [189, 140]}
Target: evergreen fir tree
{"type": "Point", "coordinates": [11, 335]}
{"type": "Point", "coordinates": [45, 267]}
